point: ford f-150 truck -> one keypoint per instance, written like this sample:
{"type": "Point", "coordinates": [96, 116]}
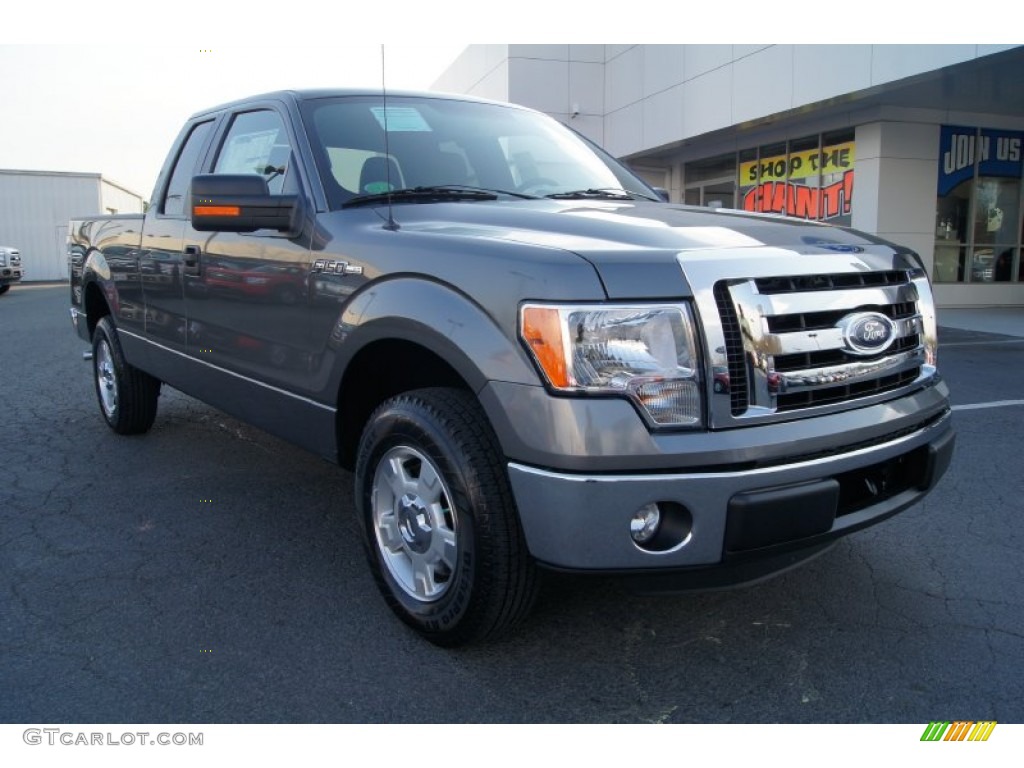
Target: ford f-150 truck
{"type": "Point", "coordinates": [10, 268]}
{"type": "Point", "coordinates": [526, 358]}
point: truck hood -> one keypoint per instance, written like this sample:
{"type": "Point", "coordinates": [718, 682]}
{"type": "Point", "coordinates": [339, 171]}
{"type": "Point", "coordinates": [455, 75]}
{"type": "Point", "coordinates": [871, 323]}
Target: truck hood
{"type": "Point", "coordinates": [636, 247]}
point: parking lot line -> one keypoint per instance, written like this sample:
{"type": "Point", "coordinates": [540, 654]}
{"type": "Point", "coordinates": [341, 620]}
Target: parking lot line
{"type": "Point", "coordinates": [993, 404]}
{"type": "Point", "coordinates": [946, 345]}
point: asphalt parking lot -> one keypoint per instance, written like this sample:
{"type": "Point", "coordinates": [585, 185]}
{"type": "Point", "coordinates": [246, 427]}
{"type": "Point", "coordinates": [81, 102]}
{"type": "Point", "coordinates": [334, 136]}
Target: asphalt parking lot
{"type": "Point", "coordinates": [208, 572]}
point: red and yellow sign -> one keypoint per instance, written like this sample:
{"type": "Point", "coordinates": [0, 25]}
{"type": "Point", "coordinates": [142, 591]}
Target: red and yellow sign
{"type": "Point", "coordinates": [787, 198]}
{"type": "Point", "coordinates": [837, 158]}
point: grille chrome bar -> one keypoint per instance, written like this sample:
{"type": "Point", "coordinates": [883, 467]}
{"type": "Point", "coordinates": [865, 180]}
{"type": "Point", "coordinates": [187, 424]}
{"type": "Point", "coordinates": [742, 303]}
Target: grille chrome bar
{"type": "Point", "coordinates": [849, 299]}
{"type": "Point", "coordinates": [829, 338]}
{"type": "Point", "coordinates": [850, 373]}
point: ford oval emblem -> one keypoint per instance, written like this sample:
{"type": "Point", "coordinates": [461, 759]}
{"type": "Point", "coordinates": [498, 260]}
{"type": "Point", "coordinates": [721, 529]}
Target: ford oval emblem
{"type": "Point", "coordinates": [867, 333]}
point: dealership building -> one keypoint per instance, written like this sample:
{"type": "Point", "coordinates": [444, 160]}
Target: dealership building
{"type": "Point", "coordinates": [919, 144]}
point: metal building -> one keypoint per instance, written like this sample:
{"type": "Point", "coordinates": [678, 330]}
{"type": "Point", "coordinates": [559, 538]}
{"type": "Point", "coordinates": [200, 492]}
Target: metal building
{"type": "Point", "coordinates": [35, 207]}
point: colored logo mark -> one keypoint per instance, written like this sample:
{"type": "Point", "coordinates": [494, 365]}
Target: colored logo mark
{"type": "Point", "coordinates": [961, 730]}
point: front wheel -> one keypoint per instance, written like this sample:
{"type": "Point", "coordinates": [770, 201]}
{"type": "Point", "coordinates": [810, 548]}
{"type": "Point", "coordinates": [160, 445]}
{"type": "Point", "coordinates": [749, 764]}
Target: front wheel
{"type": "Point", "coordinates": [4, 289]}
{"type": "Point", "coordinates": [127, 396]}
{"type": "Point", "coordinates": [442, 532]}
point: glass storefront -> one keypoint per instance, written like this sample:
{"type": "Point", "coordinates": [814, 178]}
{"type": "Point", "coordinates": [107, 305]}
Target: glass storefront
{"type": "Point", "coordinates": [978, 223]}
{"type": "Point", "coordinates": [712, 182]}
{"type": "Point", "coordinates": [810, 178]}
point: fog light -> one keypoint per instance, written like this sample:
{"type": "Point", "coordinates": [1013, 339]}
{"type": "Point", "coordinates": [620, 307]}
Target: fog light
{"type": "Point", "coordinates": [644, 524]}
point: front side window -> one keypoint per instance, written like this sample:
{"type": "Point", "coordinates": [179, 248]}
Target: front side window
{"type": "Point", "coordinates": [257, 143]}
{"type": "Point", "coordinates": [447, 142]}
{"type": "Point", "coordinates": [184, 167]}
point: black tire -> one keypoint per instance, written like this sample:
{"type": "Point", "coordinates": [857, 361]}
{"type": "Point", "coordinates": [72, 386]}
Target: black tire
{"type": "Point", "coordinates": [476, 577]}
{"type": "Point", "coordinates": [4, 289]}
{"type": "Point", "coordinates": [126, 395]}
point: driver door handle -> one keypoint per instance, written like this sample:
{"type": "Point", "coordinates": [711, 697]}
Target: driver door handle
{"type": "Point", "coordinates": [191, 259]}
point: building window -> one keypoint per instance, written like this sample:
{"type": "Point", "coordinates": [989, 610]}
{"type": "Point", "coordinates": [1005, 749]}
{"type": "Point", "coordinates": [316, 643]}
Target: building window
{"type": "Point", "coordinates": [978, 223]}
{"type": "Point", "coordinates": [711, 182]}
{"type": "Point", "coordinates": [809, 178]}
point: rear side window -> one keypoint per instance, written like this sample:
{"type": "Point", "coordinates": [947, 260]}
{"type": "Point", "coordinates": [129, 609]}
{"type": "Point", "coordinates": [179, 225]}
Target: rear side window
{"type": "Point", "coordinates": [184, 169]}
{"type": "Point", "coordinates": [257, 143]}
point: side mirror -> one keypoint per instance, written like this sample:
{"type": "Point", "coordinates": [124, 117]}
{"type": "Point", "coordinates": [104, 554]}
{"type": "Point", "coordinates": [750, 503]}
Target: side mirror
{"type": "Point", "coordinates": [226, 202]}
{"type": "Point", "coordinates": [662, 193]}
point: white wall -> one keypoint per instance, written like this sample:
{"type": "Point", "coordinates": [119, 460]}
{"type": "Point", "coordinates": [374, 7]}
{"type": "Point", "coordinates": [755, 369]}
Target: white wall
{"type": "Point", "coordinates": [659, 94]}
{"type": "Point", "coordinates": [565, 81]}
{"type": "Point", "coordinates": [638, 97]}
{"type": "Point", "coordinates": [117, 198]}
{"type": "Point", "coordinates": [34, 212]}
{"type": "Point", "coordinates": [35, 207]}
{"type": "Point", "coordinates": [480, 70]}
{"type": "Point", "coordinates": [895, 189]}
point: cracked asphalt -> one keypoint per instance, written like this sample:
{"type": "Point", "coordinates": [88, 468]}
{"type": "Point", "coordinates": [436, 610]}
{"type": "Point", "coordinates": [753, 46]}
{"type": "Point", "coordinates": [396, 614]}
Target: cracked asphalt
{"type": "Point", "coordinates": [208, 572]}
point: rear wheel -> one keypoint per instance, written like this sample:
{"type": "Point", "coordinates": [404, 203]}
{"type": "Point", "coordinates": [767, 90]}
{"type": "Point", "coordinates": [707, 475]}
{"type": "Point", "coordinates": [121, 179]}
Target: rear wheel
{"type": "Point", "coordinates": [442, 532]}
{"type": "Point", "coordinates": [127, 396]}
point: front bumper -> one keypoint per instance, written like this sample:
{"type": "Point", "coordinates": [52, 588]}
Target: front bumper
{"type": "Point", "coordinates": [10, 275]}
{"type": "Point", "coordinates": [774, 515]}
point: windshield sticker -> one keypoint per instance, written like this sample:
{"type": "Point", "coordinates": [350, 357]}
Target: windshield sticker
{"type": "Point", "coordinates": [247, 152]}
{"type": "Point", "coordinates": [400, 119]}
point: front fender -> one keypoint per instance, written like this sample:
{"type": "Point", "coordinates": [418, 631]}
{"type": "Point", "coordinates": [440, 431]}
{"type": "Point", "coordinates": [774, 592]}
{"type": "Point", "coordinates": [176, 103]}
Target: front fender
{"type": "Point", "coordinates": [440, 319]}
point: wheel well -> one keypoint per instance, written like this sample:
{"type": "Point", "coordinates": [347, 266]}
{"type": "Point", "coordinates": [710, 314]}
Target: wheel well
{"type": "Point", "coordinates": [95, 306]}
{"type": "Point", "coordinates": [379, 371]}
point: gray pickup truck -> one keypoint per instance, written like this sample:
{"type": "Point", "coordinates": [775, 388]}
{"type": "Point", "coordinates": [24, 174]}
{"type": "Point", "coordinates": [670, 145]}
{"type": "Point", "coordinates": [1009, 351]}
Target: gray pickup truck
{"type": "Point", "coordinates": [526, 358]}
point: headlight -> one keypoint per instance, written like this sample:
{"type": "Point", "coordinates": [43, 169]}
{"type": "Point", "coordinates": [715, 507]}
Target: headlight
{"type": "Point", "coordinates": [645, 353]}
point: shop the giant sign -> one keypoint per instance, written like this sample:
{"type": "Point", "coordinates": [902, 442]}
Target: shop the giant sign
{"type": "Point", "coordinates": [779, 183]}
{"type": "Point", "coordinates": [997, 153]}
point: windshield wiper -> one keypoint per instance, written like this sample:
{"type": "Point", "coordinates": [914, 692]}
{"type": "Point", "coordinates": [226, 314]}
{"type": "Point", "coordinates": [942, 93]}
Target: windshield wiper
{"type": "Point", "coordinates": [604, 193]}
{"type": "Point", "coordinates": [509, 192]}
{"type": "Point", "coordinates": [422, 194]}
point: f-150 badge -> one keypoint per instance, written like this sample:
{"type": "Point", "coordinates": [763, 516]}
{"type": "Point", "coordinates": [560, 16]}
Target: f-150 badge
{"type": "Point", "coordinates": [338, 267]}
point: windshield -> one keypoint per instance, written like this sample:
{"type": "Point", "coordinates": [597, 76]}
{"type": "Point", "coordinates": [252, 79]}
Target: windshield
{"type": "Point", "coordinates": [437, 142]}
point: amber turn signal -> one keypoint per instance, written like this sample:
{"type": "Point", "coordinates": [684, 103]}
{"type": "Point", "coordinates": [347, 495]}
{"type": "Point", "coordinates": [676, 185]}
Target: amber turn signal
{"type": "Point", "coordinates": [542, 330]}
{"type": "Point", "coordinates": [216, 210]}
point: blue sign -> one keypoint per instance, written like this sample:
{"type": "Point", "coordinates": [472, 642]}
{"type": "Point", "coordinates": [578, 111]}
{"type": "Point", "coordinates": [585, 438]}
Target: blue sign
{"type": "Point", "coordinates": [997, 153]}
{"type": "Point", "coordinates": [1000, 153]}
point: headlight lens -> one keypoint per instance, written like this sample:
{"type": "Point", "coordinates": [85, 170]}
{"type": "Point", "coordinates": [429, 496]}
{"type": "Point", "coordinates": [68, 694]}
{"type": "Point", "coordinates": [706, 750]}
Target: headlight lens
{"type": "Point", "coordinates": [645, 353]}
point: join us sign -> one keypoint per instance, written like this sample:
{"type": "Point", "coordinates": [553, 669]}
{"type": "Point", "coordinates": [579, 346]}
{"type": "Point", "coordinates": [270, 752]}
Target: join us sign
{"type": "Point", "coordinates": [996, 152]}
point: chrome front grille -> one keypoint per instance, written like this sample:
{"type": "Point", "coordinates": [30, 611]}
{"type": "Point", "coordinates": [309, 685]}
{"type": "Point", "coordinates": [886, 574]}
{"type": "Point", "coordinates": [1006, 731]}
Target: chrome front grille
{"type": "Point", "coordinates": [791, 352]}
{"type": "Point", "coordinates": [780, 341]}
